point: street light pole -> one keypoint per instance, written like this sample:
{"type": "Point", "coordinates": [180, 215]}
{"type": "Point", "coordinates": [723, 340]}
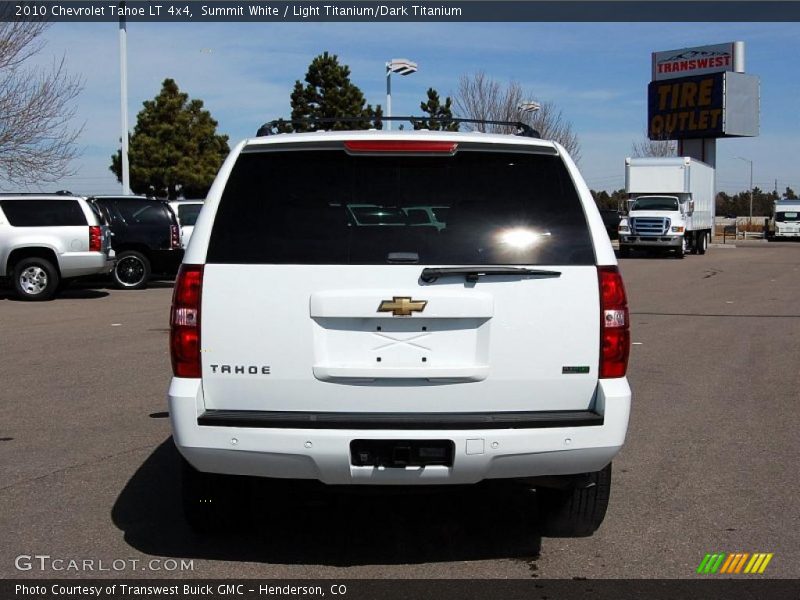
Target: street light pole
{"type": "Point", "coordinates": [123, 70]}
{"type": "Point", "coordinates": [401, 66]}
{"type": "Point", "coordinates": [388, 96]}
{"type": "Point", "coordinates": [751, 186]}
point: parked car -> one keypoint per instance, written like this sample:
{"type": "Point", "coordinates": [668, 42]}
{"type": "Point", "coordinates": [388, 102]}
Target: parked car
{"type": "Point", "coordinates": [187, 212]}
{"type": "Point", "coordinates": [48, 239]}
{"type": "Point", "coordinates": [493, 348]}
{"type": "Point", "coordinates": [145, 237]}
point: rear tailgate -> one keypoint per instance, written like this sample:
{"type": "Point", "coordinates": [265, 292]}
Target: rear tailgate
{"type": "Point", "coordinates": [503, 344]}
{"type": "Point", "coordinates": [306, 308]}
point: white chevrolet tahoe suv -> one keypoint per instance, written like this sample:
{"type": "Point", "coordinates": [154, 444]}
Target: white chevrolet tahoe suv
{"type": "Point", "coordinates": [48, 239]}
{"type": "Point", "coordinates": [307, 344]}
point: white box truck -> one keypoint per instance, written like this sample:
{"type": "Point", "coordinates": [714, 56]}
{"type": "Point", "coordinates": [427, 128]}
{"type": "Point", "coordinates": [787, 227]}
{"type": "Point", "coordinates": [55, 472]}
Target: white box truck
{"type": "Point", "coordinates": [785, 222]}
{"type": "Point", "coordinates": [670, 205]}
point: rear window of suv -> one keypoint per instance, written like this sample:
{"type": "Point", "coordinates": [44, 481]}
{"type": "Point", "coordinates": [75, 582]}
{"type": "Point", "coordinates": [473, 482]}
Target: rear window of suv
{"type": "Point", "coordinates": [43, 213]}
{"type": "Point", "coordinates": [329, 207]}
{"type": "Point", "coordinates": [142, 212]}
{"type": "Point", "coordinates": [187, 213]}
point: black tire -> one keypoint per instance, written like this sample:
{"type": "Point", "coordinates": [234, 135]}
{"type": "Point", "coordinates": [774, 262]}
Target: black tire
{"type": "Point", "coordinates": [131, 271]}
{"type": "Point", "coordinates": [35, 279]}
{"type": "Point", "coordinates": [624, 252]}
{"type": "Point", "coordinates": [577, 512]}
{"type": "Point", "coordinates": [702, 243]}
{"type": "Point", "coordinates": [681, 251]}
{"type": "Point", "coordinates": [213, 503]}
{"type": "Point", "coordinates": [694, 247]}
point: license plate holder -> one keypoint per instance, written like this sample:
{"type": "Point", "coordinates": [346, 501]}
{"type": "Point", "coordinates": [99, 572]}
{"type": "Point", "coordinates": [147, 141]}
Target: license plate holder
{"type": "Point", "coordinates": [399, 454]}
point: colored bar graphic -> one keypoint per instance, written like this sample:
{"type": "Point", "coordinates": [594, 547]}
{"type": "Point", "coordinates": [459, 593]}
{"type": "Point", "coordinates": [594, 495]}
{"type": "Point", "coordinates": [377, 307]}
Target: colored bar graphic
{"type": "Point", "coordinates": [722, 562]}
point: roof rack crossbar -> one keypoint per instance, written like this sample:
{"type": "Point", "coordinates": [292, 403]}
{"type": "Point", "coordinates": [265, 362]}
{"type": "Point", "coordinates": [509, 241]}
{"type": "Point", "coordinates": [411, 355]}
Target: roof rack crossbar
{"type": "Point", "coordinates": [522, 129]}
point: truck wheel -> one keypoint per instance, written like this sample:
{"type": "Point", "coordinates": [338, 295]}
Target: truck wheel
{"type": "Point", "coordinates": [35, 279]}
{"type": "Point", "coordinates": [695, 245]}
{"type": "Point", "coordinates": [131, 271]}
{"type": "Point", "coordinates": [624, 252]}
{"type": "Point", "coordinates": [575, 512]}
{"type": "Point", "coordinates": [702, 243]}
{"type": "Point", "coordinates": [213, 503]}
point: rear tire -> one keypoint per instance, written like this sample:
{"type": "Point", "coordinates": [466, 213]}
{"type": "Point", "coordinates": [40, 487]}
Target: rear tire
{"type": "Point", "coordinates": [213, 503]}
{"type": "Point", "coordinates": [702, 243]}
{"type": "Point", "coordinates": [35, 279]}
{"type": "Point", "coordinates": [131, 271]}
{"type": "Point", "coordinates": [575, 512]}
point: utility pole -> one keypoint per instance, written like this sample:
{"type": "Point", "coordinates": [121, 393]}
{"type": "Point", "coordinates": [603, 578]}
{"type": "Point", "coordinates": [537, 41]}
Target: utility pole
{"type": "Point", "coordinates": [123, 77]}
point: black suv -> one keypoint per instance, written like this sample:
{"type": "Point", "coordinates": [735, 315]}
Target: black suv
{"type": "Point", "coordinates": [146, 238]}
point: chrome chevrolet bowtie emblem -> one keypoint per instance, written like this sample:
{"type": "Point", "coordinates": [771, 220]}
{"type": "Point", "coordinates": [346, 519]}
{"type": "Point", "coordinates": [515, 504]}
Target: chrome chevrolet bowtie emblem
{"type": "Point", "coordinates": [402, 306]}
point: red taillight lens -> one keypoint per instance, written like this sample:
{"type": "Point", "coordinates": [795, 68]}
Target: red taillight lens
{"type": "Point", "coordinates": [184, 342]}
{"type": "Point", "coordinates": [615, 337]}
{"type": "Point", "coordinates": [95, 238]}
{"type": "Point", "coordinates": [174, 236]}
{"type": "Point", "coordinates": [400, 147]}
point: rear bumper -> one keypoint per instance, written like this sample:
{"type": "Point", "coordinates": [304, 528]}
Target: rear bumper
{"type": "Point", "coordinates": [481, 452]}
{"type": "Point", "coordinates": [77, 264]}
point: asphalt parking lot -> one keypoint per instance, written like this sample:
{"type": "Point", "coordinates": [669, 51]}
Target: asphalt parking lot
{"type": "Point", "coordinates": [88, 471]}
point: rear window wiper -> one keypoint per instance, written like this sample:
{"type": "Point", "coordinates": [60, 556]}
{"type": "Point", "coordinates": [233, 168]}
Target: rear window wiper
{"type": "Point", "coordinates": [429, 275]}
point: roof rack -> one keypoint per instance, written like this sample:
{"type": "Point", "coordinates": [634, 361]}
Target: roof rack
{"type": "Point", "coordinates": [522, 129]}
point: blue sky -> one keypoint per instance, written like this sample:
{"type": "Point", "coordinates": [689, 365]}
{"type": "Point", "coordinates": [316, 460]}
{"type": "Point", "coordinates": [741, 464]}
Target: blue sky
{"type": "Point", "coordinates": [597, 73]}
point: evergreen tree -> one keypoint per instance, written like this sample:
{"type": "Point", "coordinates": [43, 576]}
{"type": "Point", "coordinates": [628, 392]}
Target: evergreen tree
{"type": "Point", "coordinates": [790, 194]}
{"type": "Point", "coordinates": [434, 108]}
{"type": "Point", "coordinates": [174, 148]}
{"type": "Point", "coordinates": [328, 93]}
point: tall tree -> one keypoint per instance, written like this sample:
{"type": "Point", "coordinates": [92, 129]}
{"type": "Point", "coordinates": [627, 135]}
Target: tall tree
{"type": "Point", "coordinates": [617, 200]}
{"type": "Point", "coordinates": [37, 138]}
{"type": "Point", "coordinates": [790, 194]}
{"type": "Point", "coordinates": [175, 149]}
{"type": "Point", "coordinates": [440, 112]}
{"type": "Point", "coordinates": [328, 93]}
{"type": "Point", "coordinates": [480, 97]}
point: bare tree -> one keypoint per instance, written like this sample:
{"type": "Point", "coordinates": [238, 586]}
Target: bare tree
{"type": "Point", "coordinates": [654, 148]}
{"type": "Point", "coordinates": [36, 135]}
{"type": "Point", "coordinates": [480, 97]}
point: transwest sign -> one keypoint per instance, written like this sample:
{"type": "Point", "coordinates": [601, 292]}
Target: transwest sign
{"type": "Point", "coordinates": [698, 61]}
{"type": "Point", "coordinates": [702, 93]}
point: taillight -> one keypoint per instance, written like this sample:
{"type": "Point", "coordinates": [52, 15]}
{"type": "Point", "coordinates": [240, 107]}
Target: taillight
{"type": "Point", "coordinates": [615, 336]}
{"type": "Point", "coordinates": [400, 147]}
{"type": "Point", "coordinates": [184, 338]}
{"type": "Point", "coordinates": [95, 238]}
{"type": "Point", "coordinates": [174, 237]}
